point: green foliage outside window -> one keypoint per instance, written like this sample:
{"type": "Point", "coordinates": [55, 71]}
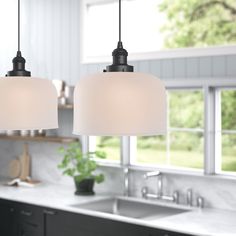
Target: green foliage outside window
{"type": "Point", "coordinates": [200, 23]}
{"type": "Point", "coordinates": [228, 109]}
{"type": "Point", "coordinates": [186, 110]}
{"type": "Point", "coordinates": [228, 115]}
{"type": "Point", "coordinates": [110, 145]}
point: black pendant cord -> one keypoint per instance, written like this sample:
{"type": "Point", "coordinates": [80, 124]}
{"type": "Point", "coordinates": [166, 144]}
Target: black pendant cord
{"type": "Point", "coordinates": [18, 25]}
{"type": "Point", "coordinates": [119, 54]}
{"type": "Point", "coordinates": [19, 61]}
{"type": "Point", "coordinates": [119, 20]}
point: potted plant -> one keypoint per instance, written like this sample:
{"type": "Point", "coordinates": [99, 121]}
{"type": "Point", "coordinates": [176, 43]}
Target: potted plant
{"type": "Point", "coordinates": [81, 167]}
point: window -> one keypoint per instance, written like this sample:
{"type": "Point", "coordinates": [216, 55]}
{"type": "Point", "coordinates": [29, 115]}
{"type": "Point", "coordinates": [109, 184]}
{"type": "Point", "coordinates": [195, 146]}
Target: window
{"type": "Point", "coordinates": [154, 25]}
{"type": "Point", "coordinates": [183, 144]}
{"type": "Point", "coordinates": [110, 145]}
{"type": "Point", "coordinates": [105, 29]}
{"type": "Point", "coordinates": [201, 131]}
{"type": "Point", "coordinates": [228, 129]}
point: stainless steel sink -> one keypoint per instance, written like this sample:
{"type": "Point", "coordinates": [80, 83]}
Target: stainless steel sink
{"type": "Point", "coordinates": [132, 208]}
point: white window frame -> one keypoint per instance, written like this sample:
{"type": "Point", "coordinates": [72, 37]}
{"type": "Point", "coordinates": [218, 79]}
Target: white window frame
{"type": "Point", "coordinates": [162, 54]}
{"type": "Point", "coordinates": [169, 130]}
{"type": "Point", "coordinates": [172, 85]}
{"type": "Point", "coordinates": [212, 119]}
{"type": "Point", "coordinates": [212, 142]}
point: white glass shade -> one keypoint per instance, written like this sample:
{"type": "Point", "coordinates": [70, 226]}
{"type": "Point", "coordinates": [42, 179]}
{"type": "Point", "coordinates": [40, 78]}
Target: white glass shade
{"type": "Point", "coordinates": [120, 103]}
{"type": "Point", "coordinates": [27, 103]}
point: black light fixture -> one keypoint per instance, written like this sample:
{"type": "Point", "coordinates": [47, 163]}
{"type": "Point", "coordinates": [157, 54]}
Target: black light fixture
{"type": "Point", "coordinates": [119, 54]}
{"type": "Point", "coordinates": [19, 61]}
{"type": "Point", "coordinates": [26, 103]}
{"type": "Point", "coordinates": [120, 102]}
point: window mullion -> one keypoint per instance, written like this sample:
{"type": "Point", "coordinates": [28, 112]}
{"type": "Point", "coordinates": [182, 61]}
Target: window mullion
{"type": "Point", "coordinates": [85, 143]}
{"type": "Point", "coordinates": [218, 141]}
{"type": "Point", "coordinates": [168, 136]}
{"type": "Point", "coordinates": [209, 128]}
{"type": "Point", "coordinates": [126, 149]}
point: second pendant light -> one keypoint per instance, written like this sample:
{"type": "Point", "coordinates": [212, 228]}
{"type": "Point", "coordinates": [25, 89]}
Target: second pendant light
{"type": "Point", "coordinates": [120, 102]}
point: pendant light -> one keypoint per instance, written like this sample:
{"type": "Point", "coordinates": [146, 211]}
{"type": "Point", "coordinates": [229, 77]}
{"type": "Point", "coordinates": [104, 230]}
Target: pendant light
{"type": "Point", "coordinates": [120, 102]}
{"type": "Point", "coordinates": [26, 103]}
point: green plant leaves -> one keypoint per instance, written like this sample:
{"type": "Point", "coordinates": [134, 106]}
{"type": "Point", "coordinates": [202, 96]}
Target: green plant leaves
{"type": "Point", "coordinates": [79, 178]}
{"type": "Point", "coordinates": [69, 172]}
{"type": "Point", "coordinates": [80, 165]}
{"type": "Point", "coordinates": [99, 178]}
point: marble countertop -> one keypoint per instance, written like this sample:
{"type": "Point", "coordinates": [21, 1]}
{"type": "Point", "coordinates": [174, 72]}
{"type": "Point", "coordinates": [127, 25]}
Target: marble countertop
{"type": "Point", "coordinates": [206, 222]}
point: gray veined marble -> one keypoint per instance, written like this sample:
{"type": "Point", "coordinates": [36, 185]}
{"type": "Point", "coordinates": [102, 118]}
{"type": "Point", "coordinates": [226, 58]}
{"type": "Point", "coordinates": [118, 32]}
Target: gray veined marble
{"type": "Point", "coordinates": [207, 222]}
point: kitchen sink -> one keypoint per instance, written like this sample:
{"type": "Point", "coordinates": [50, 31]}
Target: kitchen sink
{"type": "Point", "coordinates": [132, 208]}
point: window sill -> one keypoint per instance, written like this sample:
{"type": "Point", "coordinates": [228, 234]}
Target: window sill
{"type": "Point", "coordinates": [168, 170]}
{"type": "Point", "coordinates": [110, 164]}
{"type": "Point", "coordinates": [172, 171]}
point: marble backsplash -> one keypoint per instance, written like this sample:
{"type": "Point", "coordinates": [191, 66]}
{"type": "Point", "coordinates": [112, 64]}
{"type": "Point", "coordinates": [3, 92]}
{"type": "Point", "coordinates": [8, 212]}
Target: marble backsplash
{"type": "Point", "coordinates": [44, 161]}
{"type": "Point", "coordinates": [217, 192]}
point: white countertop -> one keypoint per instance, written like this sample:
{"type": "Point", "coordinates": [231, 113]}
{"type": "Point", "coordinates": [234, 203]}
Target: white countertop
{"type": "Point", "coordinates": [206, 222]}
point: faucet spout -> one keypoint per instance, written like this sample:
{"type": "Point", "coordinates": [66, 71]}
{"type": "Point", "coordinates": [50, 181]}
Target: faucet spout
{"type": "Point", "coordinates": [152, 174]}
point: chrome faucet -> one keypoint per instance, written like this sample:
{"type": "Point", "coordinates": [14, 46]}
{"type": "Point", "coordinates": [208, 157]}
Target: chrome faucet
{"type": "Point", "coordinates": [159, 194]}
{"type": "Point", "coordinates": [200, 202]}
{"type": "Point", "coordinates": [189, 197]}
{"type": "Point", "coordinates": [159, 185]}
{"type": "Point", "coordinates": [152, 174]}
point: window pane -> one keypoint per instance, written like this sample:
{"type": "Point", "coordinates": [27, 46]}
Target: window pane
{"type": "Point", "coordinates": [110, 145]}
{"type": "Point", "coordinates": [96, 25]}
{"type": "Point", "coordinates": [167, 24]}
{"type": "Point", "coordinates": [228, 130]}
{"type": "Point", "coordinates": [186, 109]}
{"type": "Point", "coordinates": [151, 150]}
{"type": "Point", "coordinates": [186, 149]}
{"type": "Point", "coordinates": [229, 152]}
{"type": "Point", "coordinates": [183, 144]}
{"type": "Point", "coordinates": [228, 109]}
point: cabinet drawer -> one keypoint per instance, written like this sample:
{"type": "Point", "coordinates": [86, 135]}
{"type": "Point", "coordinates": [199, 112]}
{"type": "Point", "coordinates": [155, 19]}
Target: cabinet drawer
{"type": "Point", "coordinates": [28, 229]}
{"type": "Point", "coordinates": [31, 214]}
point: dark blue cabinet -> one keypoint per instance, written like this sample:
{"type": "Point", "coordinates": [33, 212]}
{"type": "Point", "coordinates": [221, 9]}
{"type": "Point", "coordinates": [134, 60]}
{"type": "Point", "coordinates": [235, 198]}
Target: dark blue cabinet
{"type": "Point", "coordinates": [18, 219]}
{"type": "Point", "coordinates": [61, 223]}
{"type": "Point", "coordinates": [7, 219]}
{"type": "Point", "coordinates": [29, 220]}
